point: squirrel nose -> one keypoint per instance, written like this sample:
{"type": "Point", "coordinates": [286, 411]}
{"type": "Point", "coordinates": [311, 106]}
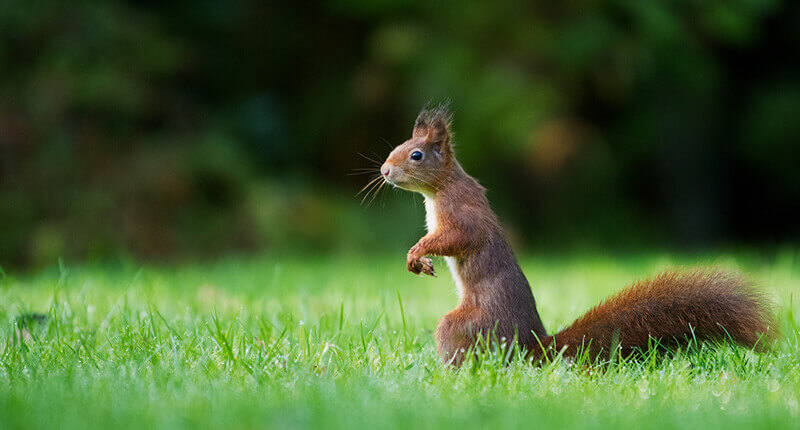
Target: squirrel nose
{"type": "Point", "coordinates": [385, 170]}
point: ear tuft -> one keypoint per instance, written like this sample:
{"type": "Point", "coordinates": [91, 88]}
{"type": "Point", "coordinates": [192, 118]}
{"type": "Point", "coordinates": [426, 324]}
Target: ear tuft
{"type": "Point", "coordinates": [430, 115]}
{"type": "Point", "coordinates": [420, 125]}
{"type": "Point", "coordinates": [439, 125]}
{"type": "Point", "coordinates": [438, 116]}
{"type": "Point", "coordinates": [442, 113]}
{"type": "Point", "coordinates": [433, 123]}
{"type": "Point", "coordinates": [438, 132]}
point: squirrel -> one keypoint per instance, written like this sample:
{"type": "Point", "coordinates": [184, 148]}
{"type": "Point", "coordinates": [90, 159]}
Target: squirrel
{"type": "Point", "coordinates": [496, 300]}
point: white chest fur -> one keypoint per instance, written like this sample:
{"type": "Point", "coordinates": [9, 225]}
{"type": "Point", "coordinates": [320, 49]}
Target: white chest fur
{"type": "Point", "coordinates": [430, 214]}
{"type": "Point", "coordinates": [431, 224]}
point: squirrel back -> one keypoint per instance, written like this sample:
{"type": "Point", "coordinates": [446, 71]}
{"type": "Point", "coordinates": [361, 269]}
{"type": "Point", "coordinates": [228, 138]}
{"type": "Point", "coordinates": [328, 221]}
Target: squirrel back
{"type": "Point", "coordinates": [495, 299]}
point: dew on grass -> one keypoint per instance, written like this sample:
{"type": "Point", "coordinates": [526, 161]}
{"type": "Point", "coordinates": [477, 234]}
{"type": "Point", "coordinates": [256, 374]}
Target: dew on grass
{"type": "Point", "coordinates": [773, 385]}
{"type": "Point", "coordinates": [644, 388]}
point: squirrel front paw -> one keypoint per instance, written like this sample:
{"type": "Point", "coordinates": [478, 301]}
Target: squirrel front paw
{"type": "Point", "coordinates": [420, 265]}
{"type": "Point", "coordinates": [427, 266]}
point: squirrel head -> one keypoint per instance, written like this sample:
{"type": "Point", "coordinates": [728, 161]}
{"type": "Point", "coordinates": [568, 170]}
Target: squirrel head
{"type": "Point", "coordinates": [424, 162]}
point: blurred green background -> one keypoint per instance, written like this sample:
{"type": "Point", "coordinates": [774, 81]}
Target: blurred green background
{"type": "Point", "coordinates": [186, 130]}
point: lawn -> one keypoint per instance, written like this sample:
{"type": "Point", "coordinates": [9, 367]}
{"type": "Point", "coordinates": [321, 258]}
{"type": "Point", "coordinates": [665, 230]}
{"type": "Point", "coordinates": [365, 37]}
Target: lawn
{"type": "Point", "coordinates": [343, 342]}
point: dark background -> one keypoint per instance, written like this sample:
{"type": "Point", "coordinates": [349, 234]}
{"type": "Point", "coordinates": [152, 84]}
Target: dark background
{"type": "Point", "coordinates": [172, 130]}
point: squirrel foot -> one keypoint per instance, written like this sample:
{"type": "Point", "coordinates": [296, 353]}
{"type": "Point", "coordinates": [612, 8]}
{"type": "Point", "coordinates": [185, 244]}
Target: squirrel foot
{"type": "Point", "coordinates": [427, 266]}
{"type": "Point", "coordinates": [420, 266]}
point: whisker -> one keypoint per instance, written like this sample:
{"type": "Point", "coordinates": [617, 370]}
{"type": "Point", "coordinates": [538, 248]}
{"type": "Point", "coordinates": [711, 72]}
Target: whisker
{"type": "Point", "coordinates": [384, 196]}
{"type": "Point", "coordinates": [370, 159]}
{"type": "Point", "coordinates": [366, 197]}
{"type": "Point", "coordinates": [372, 187]}
{"type": "Point", "coordinates": [368, 184]}
{"type": "Point", "coordinates": [421, 180]}
{"type": "Point", "coordinates": [369, 201]}
{"type": "Point", "coordinates": [375, 194]}
{"type": "Point", "coordinates": [376, 155]}
{"type": "Point", "coordinates": [387, 142]}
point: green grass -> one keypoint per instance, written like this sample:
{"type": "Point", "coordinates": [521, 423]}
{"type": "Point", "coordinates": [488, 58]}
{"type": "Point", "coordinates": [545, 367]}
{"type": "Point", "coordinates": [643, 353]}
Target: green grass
{"type": "Point", "coordinates": [347, 342]}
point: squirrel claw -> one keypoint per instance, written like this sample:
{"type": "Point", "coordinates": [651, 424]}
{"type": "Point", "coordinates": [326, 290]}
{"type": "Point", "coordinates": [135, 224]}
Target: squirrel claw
{"type": "Point", "coordinates": [421, 266]}
{"type": "Point", "coordinates": [427, 267]}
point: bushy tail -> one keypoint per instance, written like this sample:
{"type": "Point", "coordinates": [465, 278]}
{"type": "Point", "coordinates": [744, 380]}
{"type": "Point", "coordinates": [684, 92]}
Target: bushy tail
{"type": "Point", "coordinates": [674, 308]}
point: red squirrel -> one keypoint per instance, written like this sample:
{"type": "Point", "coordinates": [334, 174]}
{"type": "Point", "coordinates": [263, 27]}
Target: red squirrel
{"type": "Point", "coordinates": [495, 298]}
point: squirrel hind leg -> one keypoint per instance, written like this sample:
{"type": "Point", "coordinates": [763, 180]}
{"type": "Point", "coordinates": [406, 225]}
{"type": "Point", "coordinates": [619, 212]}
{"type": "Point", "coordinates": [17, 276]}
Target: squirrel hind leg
{"type": "Point", "coordinates": [470, 330]}
{"type": "Point", "coordinates": [454, 335]}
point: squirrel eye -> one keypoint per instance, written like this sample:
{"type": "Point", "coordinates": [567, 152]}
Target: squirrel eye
{"type": "Point", "coordinates": [416, 155]}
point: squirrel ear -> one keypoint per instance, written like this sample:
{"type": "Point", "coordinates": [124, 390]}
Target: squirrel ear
{"type": "Point", "coordinates": [420, 126]}
{"type": "Point", "coordinates": [437, 132]}
{"type": "Point", "coordinates": [439, 137]}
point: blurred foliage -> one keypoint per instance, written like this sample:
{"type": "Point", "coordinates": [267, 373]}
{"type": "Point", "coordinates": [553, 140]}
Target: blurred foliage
{"type": "Point", "coordinates": [168, 129]}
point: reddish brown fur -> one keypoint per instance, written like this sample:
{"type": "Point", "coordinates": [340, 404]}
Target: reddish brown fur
{"type": "Point", "coordinates": [674, 307]}
{"type": "Point", "coordinates": [496, 298]}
